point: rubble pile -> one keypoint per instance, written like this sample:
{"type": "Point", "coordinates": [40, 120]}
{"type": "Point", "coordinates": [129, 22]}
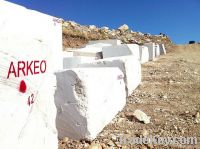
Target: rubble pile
{"type": "Point", "coordinates": [76, 35]}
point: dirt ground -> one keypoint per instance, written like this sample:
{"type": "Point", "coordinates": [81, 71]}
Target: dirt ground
{"type": "Point", "coordinates": [169, 94]}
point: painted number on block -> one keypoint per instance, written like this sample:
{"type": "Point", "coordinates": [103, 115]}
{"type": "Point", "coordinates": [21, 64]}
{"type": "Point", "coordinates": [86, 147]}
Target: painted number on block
{"type": "Point", "coordinates": [30, 100]}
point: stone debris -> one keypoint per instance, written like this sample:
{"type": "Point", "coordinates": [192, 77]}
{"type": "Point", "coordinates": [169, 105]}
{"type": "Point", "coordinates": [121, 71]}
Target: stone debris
{"type": "Point", "coordinates": [123, 28]}
{"type": "Point", "coordinates": [76, 35]}
{"type": "Point", "coordinates": [141, 116]}
{"type": "Point", "coordinates": [95, 146]}
{"type": "Point", "coordinates": [144, 133]}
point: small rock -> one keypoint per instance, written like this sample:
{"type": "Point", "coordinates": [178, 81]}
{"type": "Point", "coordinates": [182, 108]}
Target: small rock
{"type": "Point", "coordinates": [66, 24]}
{"type": "Point", "coordinates": [150, 146]}
{"type": "Point", "coordinates": [196, 121]}
{"type": "Point", "coordinates": [141, 116]}
{"type": "Point", "coordinates": [127, 132]}
{"type": "Point", "coordinates": [175, 127]}
{"type": "Point", "coordinates": [72, 23]}
{"type": "Point", "coordinates": [129, 36]}
{"type": "Point", "coordinates": [111, 144]}
{"type": "Point", "coordinates": [114, 137]}
{"type": "Point", "coordinates": [144, 147]}
{"type": "Point", "coordinates": [120, 120]}
{"type": "Point", "coordinates": [197, 115]}
{"type": "Point", "coordinates": [164, 97]}
{"type": "Point", "coordinates": [95, 146]}
{"type": "Point", "coordinates": [92, 27]}
{"type": "Point", "coordinates": [123, 27]}
{"type": "Point", "coordinates": [197, 118]}
{"type": "Point", "coordinates": [182, 131]}
{"type": "Point", "coordinates": [187, 112]}
{"type": "Point", "coordinates": [171, 81]}
{"type": "Point", "coordinates": [105, 28]}
{"type": "Point", "coordinates": [144, 133]}
{"type": "Point", "coordinates": [66, 139]}
{"type": "Point", "coordinates": [104, 146]}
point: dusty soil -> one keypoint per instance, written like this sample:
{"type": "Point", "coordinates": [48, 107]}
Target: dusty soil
{"type": "Point", "coordinates": [73, 42]}
{"type": "Point", "coordinates": [169, 94]}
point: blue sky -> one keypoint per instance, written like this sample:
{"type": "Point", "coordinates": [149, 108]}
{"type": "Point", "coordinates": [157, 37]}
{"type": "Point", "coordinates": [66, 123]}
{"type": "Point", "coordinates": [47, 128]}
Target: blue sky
{"type": "Point", "coordinates": [179, 19]}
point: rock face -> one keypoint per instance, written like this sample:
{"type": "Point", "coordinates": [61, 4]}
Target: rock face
{"type": "Point", "coordinates": [76, 35]}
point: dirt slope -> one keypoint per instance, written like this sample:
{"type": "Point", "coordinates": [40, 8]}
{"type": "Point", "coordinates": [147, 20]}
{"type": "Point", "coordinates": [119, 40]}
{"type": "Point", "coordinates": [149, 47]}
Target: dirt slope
{"type": "Point", "coordinates": [169, 93]}
{"type": "Point", "coordinates": [76, 35]}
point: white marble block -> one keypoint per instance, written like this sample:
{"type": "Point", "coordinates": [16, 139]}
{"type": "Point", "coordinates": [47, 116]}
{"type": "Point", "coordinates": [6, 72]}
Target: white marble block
{"type": "Point", "coordinates": [30, 51]}
{"type": "Point", "coordinates": [109, 41]}
{"type": "Point", "coordinates": [129, 65]}
{"type": "Point", "coordinates": [157, 50]}
{"type": "Point", "coordinates": [121, 50]}
{"type": "Point", "coordinates": [151, 48]}
{"type": "Point", "coordinates": [87, 99]}
{"type": "Point", "coordinates": [162, 49]}
{"type": "Point", "coordinates": [144, 54]}
{"type": "Point", "coordinates": [95, 52]}
{"type": "Point", "coordinates": [98, 45]}
{"type": "Point", "coordinates": [72, 62]}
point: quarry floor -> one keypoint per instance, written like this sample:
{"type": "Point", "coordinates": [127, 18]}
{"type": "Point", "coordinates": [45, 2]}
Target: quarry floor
{"type": "Point", "coordinates": [169, 94]}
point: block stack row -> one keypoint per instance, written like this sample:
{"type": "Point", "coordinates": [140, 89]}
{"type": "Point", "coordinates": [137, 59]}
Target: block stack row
{"type": "Point", "coordinates": [94, 83]}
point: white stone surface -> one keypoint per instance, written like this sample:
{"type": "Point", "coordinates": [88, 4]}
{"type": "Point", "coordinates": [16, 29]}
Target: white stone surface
{"type": "Point", "coordinates": [67, 54]}
{"type": "Point", "coordinates": [30, 50]}
{"type": "Point", "coordinates": [95, 52]}
{"type": "Point", "coordinates": [162, 49]}
{"type": "Point", "coordinates": [72, 62]}
{"type": "Point", "coordinates": [157, 50]}
{"type": "Point", "coordinates": [141, 116]}
{"type": "Point", "coordinates": [109, 41]}
{"type": "Point", "coordinates": [87, 99]}
{"type": "Point", "coordinates": [144, 54]}
{"type": "Point", "coordinates": [98, 45]}
{"type": "Point", "coordinates": [121, 50]}
{"type": "Point", "coordinates": [151, 48]}
{"type": "Point", "coordinates": [129, 65]}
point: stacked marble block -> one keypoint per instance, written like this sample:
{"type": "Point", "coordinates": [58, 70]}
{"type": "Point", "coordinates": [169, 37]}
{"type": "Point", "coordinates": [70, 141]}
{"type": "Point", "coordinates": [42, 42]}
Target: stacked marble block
{"type": "Point", "coordinates": [29, 58]}
{"type": "Point", "coordinates": [94, 85]}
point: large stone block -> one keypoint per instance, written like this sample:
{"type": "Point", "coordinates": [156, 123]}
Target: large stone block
{"type": "Point", "coordinates": [144, 54]}
{"type": "Point", "coordinates": [162, 49]}
{"type": "Point", "coordinates": [87, 99]}
{"type": "Point", "coordinates": [95, 52]}
{"type": "Point", "coordinates": [129, 65]}
{"type": "Point", "coordinates": [30, 51]}
{"type": "Point", "coordinates": [73, 62]}
{"type": "Point", "coordinates": [67, 54]}
{"type": "Point", "coordinates": [121, 50]}
{"type": "Point", "coordinates": [98, 45]}
{"type": "Point", "coordinates": [157, 50]}
{"type": "Point", "coordinates": [151, 48]}
{"type": "Point", "coordinates": [109, 41]}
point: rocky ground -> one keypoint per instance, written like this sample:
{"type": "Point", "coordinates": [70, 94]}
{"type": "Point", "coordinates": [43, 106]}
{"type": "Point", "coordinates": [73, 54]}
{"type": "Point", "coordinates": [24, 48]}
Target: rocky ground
{"type": "Point", "coordinates": [76, 35]}
{"type": "Point", "coordinates": [169, 94]}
